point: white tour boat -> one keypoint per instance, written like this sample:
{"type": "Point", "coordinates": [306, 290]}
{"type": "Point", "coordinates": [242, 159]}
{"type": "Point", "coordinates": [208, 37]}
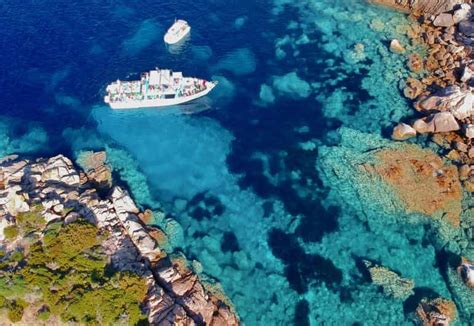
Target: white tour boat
{"type": "Point", "coordinates": [177, 31]}
{"type": "Point", "coordinates": [156, 88]}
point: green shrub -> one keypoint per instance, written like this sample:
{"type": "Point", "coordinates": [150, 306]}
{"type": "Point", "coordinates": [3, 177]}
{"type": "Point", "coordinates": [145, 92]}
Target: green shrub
{"type": "Point", "coordinates": [16, 309]}
{"type": "Point", "coordinates": [10, 232]}
{"type": "Point", "coordinates": [44, 313]}
{"type": "Point", "coordinates": [3, 301]}
{"type": "Point", "coordinates": [68, 267]}
{"type": "Point", "coordinates": [31, 221]}
{"type": "Point", "coordinates": [17, 256]}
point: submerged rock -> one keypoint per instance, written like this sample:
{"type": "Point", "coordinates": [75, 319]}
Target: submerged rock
{"type": "Point", "coordinates": [395, 180]}
{"type": "Point", "coordinates": [438, 312]}
{"type": "Point", "coordinates": [393, 284]}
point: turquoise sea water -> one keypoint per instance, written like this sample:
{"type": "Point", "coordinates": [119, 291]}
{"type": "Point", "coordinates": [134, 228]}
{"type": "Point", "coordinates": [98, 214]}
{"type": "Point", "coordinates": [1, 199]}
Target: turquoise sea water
{"type": "Point", "coordinates": [240, 174]}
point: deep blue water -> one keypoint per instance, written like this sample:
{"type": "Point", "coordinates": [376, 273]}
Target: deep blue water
{"type": "Point", "coordinates": [240, 174]}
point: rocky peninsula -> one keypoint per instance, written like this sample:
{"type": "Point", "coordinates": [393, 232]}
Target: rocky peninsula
{"type": "Point", "coordinates": [56, 227]}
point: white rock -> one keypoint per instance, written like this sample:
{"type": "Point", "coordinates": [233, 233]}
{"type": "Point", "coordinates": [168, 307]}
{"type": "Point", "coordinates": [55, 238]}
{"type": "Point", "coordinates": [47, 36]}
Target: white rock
{"type": "Point", "coordinates": [123, 204]}
{"type": "Point", "coordinates": [463, 13]}
{"type": "Point", "coordinates": [3, 224]}
{"type": "Point", "coordinates": [49, 217]}
{"type": "Point", "coordinates": [469, 131]}
{"type": "Point", "coordinates": [61, 169]}
{"type": "Point", "coordinates": [396, 47]}
{"type": "Point", "coordinates": [466, 75]}
{"type": "Point", "coordinates": [16, 203]}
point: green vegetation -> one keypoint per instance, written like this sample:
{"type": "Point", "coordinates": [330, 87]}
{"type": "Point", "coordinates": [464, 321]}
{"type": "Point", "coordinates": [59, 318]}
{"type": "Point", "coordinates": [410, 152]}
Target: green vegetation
{"type": "Point", "coordinates": [30, 221]}
{"type": "Point", "coordinates": [10, 232]}
{"type": "Point", "coordinates": [15, 310]}
{"type": "Point", "coordinates": [68, 268]}
{"type": "Point", "coordinates": [44, 313]}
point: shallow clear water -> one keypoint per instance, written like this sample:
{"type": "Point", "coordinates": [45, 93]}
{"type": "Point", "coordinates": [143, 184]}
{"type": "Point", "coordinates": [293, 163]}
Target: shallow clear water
{"type": "Point", "coordinates": [239, 170]}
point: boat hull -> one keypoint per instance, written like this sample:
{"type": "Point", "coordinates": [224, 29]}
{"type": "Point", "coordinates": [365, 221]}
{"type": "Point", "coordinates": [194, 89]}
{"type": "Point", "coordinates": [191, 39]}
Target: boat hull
{"type": "Point", "coordinates": [158, 102]}
{"type": "Point", "coordinates": [174, 39]}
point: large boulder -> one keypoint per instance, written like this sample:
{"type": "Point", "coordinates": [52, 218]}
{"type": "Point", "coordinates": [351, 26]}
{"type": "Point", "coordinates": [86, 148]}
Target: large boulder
{"type": "Point", "coordinates": [453, 99]}
{"type": "Point", "coordinates": [444, 20]}
{"type": "Point", "coordinates": [403, 132]}
{"type": "Point", "coordinates": [439, 122]}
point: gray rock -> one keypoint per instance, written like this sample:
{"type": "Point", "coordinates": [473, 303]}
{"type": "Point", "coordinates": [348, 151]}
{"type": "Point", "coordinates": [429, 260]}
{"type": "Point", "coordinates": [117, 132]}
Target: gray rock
{"type": "Point", "coordinates": [467, 28]}
{"type": "Point", "coordinates": [444, 20]}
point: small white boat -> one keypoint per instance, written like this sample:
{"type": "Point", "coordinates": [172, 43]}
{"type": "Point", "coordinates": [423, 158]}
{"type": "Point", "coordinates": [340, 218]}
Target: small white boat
{"type": "Point", "coordinates": [177, 31]}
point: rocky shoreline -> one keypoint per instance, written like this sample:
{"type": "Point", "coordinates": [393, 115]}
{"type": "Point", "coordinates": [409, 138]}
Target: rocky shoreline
{"type": "Point", "coordinates": [441, 85]}
{"type": "Point", "coordinates": [441, 90]}
{"type": "Point", "coordinates": [176, 295]}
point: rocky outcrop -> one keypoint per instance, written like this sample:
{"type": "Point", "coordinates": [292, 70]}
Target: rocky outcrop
{"type": "Point", "coordinates": [422, 181]}
{"type": "Point", "coordinates": [96, 169]}
{"type": "Point", "coordinates": [420, 6]}
{"type": "Point", "coordinates": [391, 182]}
{"type": "Point", "coordinates": [176, 295]}
{"type": "Point", "coordinates": [438, 312]}
{"type": "Point", "coordinates": [466, 272]}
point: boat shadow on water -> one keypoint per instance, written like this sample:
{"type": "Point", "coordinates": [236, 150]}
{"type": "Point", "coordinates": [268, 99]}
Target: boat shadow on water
{"type": "Point", "coordinates": [180, 47]}
{"type": "Point", "coordinates": [194, 107]}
